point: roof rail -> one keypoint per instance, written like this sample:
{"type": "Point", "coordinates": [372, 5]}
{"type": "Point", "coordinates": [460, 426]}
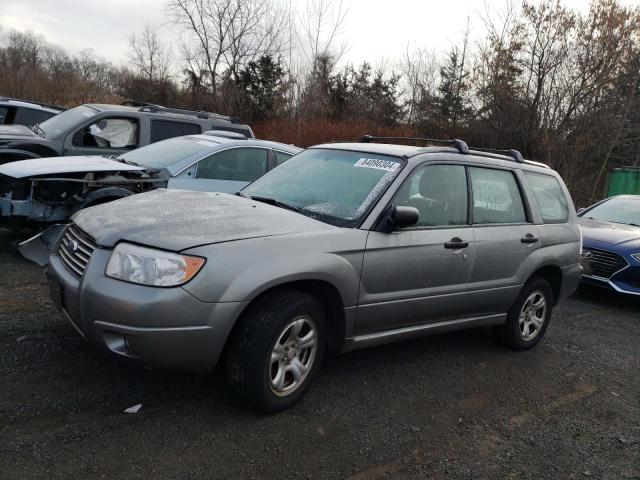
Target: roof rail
{"type": "Point", "coordinates": [153, 108]}
{"type": "Point", "coordinates": [459, 145]}
{"type": "Point", "coordinates": [46, 105]}
{"type": "Point", "coordinates": [514, 154]}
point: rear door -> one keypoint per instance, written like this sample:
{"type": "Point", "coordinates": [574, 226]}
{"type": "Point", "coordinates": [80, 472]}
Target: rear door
{"type": "Point", "coordinates": [504, 238]}
{"type": "Point", "coordinates": [419, 275]}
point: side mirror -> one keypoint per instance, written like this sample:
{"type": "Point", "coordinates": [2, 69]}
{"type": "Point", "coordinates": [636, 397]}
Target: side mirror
{"type": "Point", "coordinates": [398, 217]}
{"type": "Point", "coordinates": [404, 216]}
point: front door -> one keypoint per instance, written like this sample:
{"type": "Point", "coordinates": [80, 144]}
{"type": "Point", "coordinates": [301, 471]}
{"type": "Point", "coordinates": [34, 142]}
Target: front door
{"type": "Point", "coordinates": [419, 274]}
{"type": "Point", "coordinates": [106, 136]}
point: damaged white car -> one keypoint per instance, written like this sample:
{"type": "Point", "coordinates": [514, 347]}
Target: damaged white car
{"type": "Point", "coordinates": [46, 190]}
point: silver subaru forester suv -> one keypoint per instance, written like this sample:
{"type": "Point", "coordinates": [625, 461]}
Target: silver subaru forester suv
{"type": "Point", "coordinates": [344, 246]}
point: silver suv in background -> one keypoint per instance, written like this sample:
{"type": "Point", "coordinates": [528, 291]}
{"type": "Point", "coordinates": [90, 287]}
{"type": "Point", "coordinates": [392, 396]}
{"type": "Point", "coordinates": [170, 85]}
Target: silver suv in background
{"type": "Point", "coordinates": [344, 246]}
{"type": "Point", "coordinates": [102, 129]}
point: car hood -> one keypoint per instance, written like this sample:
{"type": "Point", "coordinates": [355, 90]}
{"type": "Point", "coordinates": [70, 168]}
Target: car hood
{"type": "Point", "coordinates": [179, 219]}
{"type": "Point", "coordinates": [62, 165]}
{"type": "Point", "coordinates": [625, 236]}
{"type": "Point", "coordinates": [16, 132]}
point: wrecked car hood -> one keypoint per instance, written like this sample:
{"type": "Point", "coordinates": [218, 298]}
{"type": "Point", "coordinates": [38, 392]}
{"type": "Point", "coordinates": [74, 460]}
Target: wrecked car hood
{"type": "Point", "coordinates": [16, 132]}
{"type": "Point", "coordinates": [180, 219]}
{"type": "Point", "coordinates": [62, 165]}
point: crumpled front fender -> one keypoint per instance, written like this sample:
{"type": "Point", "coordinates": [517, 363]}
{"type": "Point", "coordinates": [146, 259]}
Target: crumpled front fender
{"type": "Point", "coordinates": [39, 247]}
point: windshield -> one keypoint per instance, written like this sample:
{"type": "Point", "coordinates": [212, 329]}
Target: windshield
{"type": "Point", "coordinates": [334, 186]}
{"type": "Point", "coordinates": [618, 210]}
{"type": "Point", "coordinates": [65, 121]}
{"type": "Point", "coordinates": [165, 153]}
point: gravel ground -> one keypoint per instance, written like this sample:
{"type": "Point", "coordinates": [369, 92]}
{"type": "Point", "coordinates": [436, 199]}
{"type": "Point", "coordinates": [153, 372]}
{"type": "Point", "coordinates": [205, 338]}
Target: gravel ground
{"type": "Point", "coordinates": [449, 406]}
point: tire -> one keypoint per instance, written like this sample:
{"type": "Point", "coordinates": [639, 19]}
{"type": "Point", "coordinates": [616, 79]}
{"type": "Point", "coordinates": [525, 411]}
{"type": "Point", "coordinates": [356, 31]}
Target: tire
{"type": "Point", "coordinates": [526, 325]}
{"type": "Point", "coordinates": [266, 350]}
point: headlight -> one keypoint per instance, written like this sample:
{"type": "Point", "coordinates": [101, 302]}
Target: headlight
{"type": "Point", "coordinates": [636, 256]}
{"type": "Point", "coordinates": [148, 266]}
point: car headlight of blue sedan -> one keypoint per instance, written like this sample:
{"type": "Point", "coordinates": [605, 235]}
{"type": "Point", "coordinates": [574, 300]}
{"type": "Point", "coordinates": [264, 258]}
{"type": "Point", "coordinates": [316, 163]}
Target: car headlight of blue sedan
{"type": "Point", "coordinates": [150, 266]}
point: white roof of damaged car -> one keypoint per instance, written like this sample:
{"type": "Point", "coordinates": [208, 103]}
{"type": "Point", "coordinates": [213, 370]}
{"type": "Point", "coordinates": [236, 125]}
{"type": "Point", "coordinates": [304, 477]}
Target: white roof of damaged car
{"type": "Point", "coordinates": [53, 165]}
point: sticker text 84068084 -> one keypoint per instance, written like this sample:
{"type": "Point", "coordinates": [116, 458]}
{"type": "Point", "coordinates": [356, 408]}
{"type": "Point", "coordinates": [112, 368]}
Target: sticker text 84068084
{"type": "Point", "coordinates": [387, 165]}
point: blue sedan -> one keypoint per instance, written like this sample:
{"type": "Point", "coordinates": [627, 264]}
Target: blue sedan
{"type": "Point", "coordinates": [611, 243]}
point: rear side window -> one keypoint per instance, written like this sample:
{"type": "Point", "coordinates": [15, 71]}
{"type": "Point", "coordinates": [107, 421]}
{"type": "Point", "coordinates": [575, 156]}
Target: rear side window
{"type": "Point", "coordinates": [282, 157]}
{"type": "Point", "coordinates": [549, 196]}
{"type": "Point", "coordinates": [29, 116]}
{"type": "Point", "coordinates": [163, 129]}
{"type": "Point", "coordinates": [496, 197]}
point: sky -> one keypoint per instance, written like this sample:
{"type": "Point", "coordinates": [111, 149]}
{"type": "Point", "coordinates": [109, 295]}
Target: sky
{"type": "Point", "coordinates": [378, 31]}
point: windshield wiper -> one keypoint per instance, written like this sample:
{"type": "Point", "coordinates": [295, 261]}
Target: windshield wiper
{"type": "Point", "coordinates": [274, 202]}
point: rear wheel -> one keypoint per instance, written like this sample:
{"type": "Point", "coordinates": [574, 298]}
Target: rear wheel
{"type": "Point", "coordinates": [276, 349]}
{"type": "Point", "coordinates": [528, 319]}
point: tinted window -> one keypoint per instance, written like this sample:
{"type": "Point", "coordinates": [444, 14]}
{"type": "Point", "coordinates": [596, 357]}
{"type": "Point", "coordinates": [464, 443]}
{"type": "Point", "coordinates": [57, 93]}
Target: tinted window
{"type": "Point", "coordinates": [549, 196]}
{"type": "Point", "coordinates": [240, 164]}
{"type": "Point", "coordinates": [496, 197]}
{"type": "Point", "coordinates": [163, 129]}
{"type": "Point", "coordinates": [334, 186]}
{"type": "Point", "coordinates": [617, 209]}
{"type": "Point", "coordinates": [167, 152]}
{"type": "Point", "coordinates": [439, 192]}
{"type": "Point", "coordinates": [29, 116]}
{"type": "Point", "coordinates": [3, 114]}
{"type": "Point", "coordinates": [282, 157]}
{"type": "Point", "coordinates": [110, 132]}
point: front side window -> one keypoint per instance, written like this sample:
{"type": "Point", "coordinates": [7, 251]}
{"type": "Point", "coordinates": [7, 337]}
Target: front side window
{"type": "Point", "coordinates": [334, 186]}
{"type": "Point", "coordinates": [439, 192]}
{"type": "Point", "coordinates": [549, 196]}
{"type": "Point", "coordinates": [109, 132]}
{"type": "Point", "coordinates": [496, 197]}
{"type": "Point", "coordinates": [238, 164]}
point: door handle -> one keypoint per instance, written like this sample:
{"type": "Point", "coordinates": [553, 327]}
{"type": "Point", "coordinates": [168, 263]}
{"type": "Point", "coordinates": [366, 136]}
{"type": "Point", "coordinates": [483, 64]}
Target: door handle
{"type": "Point", "coordinates": [529, 238]}
{"type": "Point", "coordinates": [456, 243]}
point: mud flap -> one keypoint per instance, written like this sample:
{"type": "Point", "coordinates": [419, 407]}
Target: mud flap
{"type": "Point", "coordinates": [39, 247]}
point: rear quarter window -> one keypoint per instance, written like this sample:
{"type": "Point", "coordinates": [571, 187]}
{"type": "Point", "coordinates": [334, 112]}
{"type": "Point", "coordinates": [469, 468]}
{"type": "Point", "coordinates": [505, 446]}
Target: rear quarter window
{"type": "Point", "coordinates": [549, 196]}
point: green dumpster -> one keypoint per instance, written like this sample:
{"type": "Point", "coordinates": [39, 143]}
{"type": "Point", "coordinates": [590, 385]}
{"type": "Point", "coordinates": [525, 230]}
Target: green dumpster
{"type": "Point", "coordinates": [624, 181]}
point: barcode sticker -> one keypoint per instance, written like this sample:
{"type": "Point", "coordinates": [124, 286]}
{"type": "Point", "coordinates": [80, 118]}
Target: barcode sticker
{"type": "Point", "coordinates": [386, 165]}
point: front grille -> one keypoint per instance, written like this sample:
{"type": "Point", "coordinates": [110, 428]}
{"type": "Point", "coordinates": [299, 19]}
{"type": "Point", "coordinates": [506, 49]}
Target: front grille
{"type": "Point", "coordinates": [602, 263]}
{"type": "Point", "coordinates": [75, 250]}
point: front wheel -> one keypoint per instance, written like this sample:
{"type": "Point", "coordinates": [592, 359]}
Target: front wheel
{"type": "Point", "coordinates": [528, 319]}
{"type": "Point", "coordinates": [276, 349]}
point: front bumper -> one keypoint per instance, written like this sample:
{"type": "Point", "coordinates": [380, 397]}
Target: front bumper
{"type": "Point", "coordinates": [625, 281]}
{"type": "Point", "coordinates": [162, 327]}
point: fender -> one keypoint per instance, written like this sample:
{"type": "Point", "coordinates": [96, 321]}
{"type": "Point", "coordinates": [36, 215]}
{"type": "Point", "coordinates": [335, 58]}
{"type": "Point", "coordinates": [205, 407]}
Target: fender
{"type": "Point", "coordinates": [107, 192]}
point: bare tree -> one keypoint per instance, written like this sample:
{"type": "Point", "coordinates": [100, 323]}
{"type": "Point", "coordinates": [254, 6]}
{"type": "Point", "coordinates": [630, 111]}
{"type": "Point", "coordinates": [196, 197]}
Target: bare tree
{"type": "Point", "coordinates": [150, 58]}
{"type": "Point", "coordinates": [223, 35]}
